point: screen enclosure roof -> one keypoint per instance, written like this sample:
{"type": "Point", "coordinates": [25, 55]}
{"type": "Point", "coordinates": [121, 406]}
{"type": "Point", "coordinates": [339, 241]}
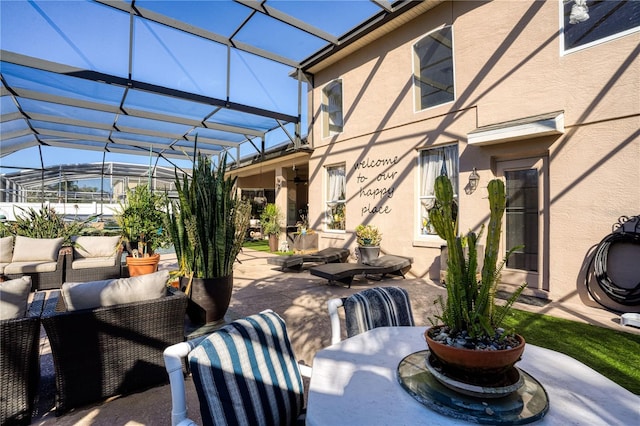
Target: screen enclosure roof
{"type": "Point", "coordinates": [148, 78]}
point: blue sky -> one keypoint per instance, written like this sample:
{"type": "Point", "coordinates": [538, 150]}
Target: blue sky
{"type": "Point", "coordinates": [95, 37]}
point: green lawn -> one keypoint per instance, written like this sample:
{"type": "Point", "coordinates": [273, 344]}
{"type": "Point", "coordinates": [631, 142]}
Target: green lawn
{"type": "Point", "coordinates": [615, 354]}
{"type": "Point", "coordinates": [263, 245]}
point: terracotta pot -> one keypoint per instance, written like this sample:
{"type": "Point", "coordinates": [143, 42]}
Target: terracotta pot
{"type": "Point", "coordinates": [273, 242]}
{"type": "Point", "coordinates": [209, 298]}
{"type": "Point", "coordinates": [142, 265]}
{"type": "Point", "coordinates": [473, 362]}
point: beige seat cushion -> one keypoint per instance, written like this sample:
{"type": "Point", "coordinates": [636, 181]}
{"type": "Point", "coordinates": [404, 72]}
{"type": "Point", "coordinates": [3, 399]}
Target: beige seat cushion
{"type": "Point", "coordinates": [30, 267]}
{"type": "Point", "coordinates": [36, 249]}
{"type": "Point", "coordinates": [88, 247]}
{"type": "Point", "coordinates": [14, 295]}
{"type": "Point", "coordinates": [2, 265]}
{"type": "Point", "coordinates": [93, 262]}
{"type": "Point", "coordinates": [6, 249]}
{"type": "Point", "coordinates": [115, 292]}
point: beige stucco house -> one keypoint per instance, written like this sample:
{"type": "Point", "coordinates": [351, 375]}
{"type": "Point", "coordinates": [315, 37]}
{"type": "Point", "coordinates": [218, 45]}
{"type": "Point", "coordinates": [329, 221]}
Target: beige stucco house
{"type": "Point", "coordinates": [490, 89]}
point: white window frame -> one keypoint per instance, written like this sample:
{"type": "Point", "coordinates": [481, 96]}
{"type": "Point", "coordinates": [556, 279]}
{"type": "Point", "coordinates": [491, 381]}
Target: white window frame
{"type": "Point", "coordinates": [417, 95]}
{"type": "Point", "coordinates": [424, 197]}
{"type": "Point", "coordinates": [333, 200]}
{"type": "Point", "coordinates": [330, 127]}
{"type": "Point", "coordinates": [606, 39]}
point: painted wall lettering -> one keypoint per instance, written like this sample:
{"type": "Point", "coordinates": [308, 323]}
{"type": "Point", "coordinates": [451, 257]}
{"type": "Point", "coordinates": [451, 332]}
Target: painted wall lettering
{"type": "Point", "coordinates": [376, 186]}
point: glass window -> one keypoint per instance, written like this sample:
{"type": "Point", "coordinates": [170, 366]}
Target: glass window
{"type": "Point", "coordinates": [332, 109]}
{"type": "Point", "coordinates": [522, 218]}
{"type": "Point", "coordinates": [587, 22]}
{"type": "Point", "coordinates": [433, 69]}
{"type": "Point", "coordinates": [433, 163]}
{"type": "Point", "coordinates": [336, 198]}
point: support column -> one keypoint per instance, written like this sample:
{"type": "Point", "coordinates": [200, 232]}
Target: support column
{"type": "Point", "coordinates": [281, 201]}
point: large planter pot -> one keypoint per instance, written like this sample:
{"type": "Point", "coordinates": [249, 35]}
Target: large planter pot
{"type": "Point", "coordinates": [368, 253]}
{"type": "Point", "coordinates": [142, 265]}
{"type": "Point", "coordinates": [273, 242]}
{"type": "Point", "coordinates": [475, 363]}
{"type": "Point", "coordinates": [209, 298]}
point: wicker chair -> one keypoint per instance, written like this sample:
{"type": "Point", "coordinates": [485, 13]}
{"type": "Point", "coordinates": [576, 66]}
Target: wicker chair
{"type": "Point", "coordinates": [44, 280]}
{"type": "Point", "coordinates": [113, 350]}
{"type": "Point", "coordinates": [20, 364]}
{"type": "Point", "coordinates": [72, 274]}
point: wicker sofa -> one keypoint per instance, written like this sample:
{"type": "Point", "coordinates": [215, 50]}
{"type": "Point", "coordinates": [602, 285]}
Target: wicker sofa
{"type": "Point", "coordinates": [93, 258]}
{"type": "Point", "coordinates": [20, 364]}
{"type": "Point", "coordinates": [111, 350]}
{"type": "Point", "coordinates": [40, 258]}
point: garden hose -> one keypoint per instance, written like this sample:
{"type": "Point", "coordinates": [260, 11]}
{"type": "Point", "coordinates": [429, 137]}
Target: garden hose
{"type": "Point", "coordinates": [623, 296]}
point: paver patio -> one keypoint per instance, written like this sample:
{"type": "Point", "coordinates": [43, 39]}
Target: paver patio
{"type": "Point", "coordinates": [301, 299]}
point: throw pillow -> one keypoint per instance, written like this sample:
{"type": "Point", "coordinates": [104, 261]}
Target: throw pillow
{"type": "Point", "coordinates": [6, 249]}
{"type": "Point", "coordinates": [36, 249]}
{"type": "Point", "coordinates": [14, 295]}
{"type": "Point", "coordinates": [90, 246]}
{"type": "Point", "coordinates": [114, 292]}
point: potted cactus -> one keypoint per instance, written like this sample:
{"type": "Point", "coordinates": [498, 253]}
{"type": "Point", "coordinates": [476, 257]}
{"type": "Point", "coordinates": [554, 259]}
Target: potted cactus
{"type": "Point", "coordinates": [467, 334]}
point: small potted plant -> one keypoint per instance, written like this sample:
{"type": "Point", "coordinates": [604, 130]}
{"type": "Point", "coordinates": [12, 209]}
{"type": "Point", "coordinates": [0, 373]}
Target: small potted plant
{"type": "Point", "coordinates": [270, 220]}
{"type": "Point", "coordinates": [368, 238]}
{"type": "Point", "coordinates": [140, 218]}
{"type": "Point", "coordinates": [467, 335]}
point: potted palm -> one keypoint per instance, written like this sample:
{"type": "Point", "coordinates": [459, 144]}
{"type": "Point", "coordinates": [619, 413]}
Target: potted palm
{"type": "Point", "coordinates": [207, 226]}
{"type": "Point", "coordinates": [270, 220]}
{"type": "Point", "coordinates": [466, 336]}
{"type": "Point", "coordinates": [368, 238]}
{"type": "Point", "coordinates": [141, 218]}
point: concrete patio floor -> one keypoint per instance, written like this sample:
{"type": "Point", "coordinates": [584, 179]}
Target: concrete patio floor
{"type": "Point", "coordinates": [301, 299]}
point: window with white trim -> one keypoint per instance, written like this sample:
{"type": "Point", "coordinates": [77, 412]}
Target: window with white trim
{"type": "Point", "coordinates": [434, 162]}
{"type": "Point", "coordinates": [332, 123]}
{"type": "Point", "coordinates": [335, 213]}
{"type": "Point", "coordinates": [433, 69]}
{"type": "Point", "coordinates": [589, 22]}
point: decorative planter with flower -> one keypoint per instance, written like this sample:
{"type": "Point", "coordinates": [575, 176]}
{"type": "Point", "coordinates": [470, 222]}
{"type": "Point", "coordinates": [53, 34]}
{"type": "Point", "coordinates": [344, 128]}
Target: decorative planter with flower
{"type": "Point", "coordinates": [368, 238]}
{"type": "Point", "coordinates": [466, 336]}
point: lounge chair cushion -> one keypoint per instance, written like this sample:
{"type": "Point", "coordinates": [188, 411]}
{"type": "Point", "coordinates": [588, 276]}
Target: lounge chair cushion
{"type": "Point", "coordinates": [115, 292]}
{"type": "Point", "coordinates": [95, 247]}
{"type": "Point", "coordinates": [14, 295]}
{"type": "Point", "coordinates": [30, 267]}
{"type": "Point", "coordinates": [377, 307]}
{"type": "Point", "coordinates": [246, 373]}
{"type": "Point", "coordinates": [6, 249]}
{"type": "Point", "coordinates": [36, 249]}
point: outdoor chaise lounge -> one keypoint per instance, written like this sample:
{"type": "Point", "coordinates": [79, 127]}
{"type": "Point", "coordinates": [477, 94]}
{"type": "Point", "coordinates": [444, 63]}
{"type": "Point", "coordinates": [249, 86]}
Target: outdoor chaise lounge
{"type": "Point", "coordinates": [295, 261]}
{"type": "Point", "coordinates": [344, 272]}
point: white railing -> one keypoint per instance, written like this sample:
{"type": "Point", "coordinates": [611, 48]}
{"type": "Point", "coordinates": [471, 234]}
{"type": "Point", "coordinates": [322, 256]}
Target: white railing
{"type": "Point", "coordinates": [68, 210]}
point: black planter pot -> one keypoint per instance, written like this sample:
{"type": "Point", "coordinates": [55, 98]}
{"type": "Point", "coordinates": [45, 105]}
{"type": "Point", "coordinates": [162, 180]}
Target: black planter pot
{"type": "Point", "coordinates": [209, 299]}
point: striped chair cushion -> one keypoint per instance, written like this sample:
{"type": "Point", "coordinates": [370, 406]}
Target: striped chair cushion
{"type": "Point", "coordinates": [377, 307]}
{"type": "Point", "coordinates": [246, 374]}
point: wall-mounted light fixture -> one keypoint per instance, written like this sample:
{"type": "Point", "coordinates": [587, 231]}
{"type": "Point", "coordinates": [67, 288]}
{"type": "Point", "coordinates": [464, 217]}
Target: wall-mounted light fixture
{"type": "Point", "coordinates": [474, 179]}
{"type": "Point", "coordinates": [280, 181]}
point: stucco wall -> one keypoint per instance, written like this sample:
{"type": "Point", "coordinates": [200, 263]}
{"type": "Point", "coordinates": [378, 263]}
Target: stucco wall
{"type": "Point", "coordinates": [508, 65]}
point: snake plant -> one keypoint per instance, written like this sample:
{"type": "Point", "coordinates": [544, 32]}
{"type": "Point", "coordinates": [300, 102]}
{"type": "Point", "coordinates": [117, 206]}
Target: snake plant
{"type": "Point", "coordinates": [206, 222]}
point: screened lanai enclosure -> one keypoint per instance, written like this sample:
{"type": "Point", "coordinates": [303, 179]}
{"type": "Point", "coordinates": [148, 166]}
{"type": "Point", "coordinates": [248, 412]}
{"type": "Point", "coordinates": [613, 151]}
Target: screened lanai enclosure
{"type": "Point", "coordinates": [92, 86]}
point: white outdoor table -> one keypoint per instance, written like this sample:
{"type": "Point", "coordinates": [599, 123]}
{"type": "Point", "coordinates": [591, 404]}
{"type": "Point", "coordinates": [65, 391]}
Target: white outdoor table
{"type": "Point", "coordinates": [354, 382]}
